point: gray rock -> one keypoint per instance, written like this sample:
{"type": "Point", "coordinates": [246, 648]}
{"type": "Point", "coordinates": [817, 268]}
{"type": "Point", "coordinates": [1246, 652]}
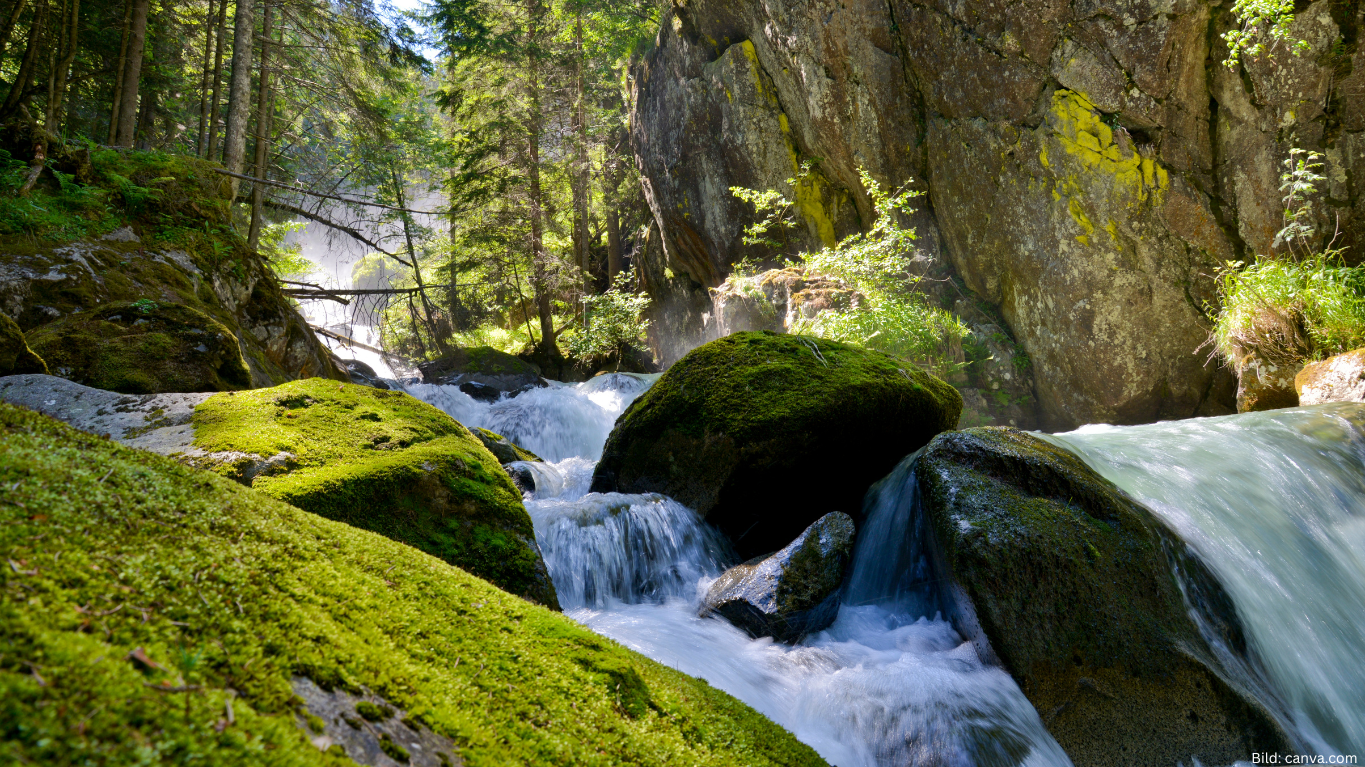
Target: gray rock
{"type": "Point", "coordinates": [1335, 379]}
{"type": "Point", "coordinates": [791, 593]}
{"type": "Point", "coordinates": [368, 729]}
{"type": "Point", "coordinates": [483, 373]}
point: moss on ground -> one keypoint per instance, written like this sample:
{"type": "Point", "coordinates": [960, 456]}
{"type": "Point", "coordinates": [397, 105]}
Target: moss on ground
{"type": "Point", "coordinates": [231, 594]}
{"type": "Point", "coordinates": [142, 347]}
{"type": "Point", "coordinates": [765, 433]}
{"type": "Point", "coordinates": [382, 461]}
{"type": "Point", "coordinates": [15, 355]}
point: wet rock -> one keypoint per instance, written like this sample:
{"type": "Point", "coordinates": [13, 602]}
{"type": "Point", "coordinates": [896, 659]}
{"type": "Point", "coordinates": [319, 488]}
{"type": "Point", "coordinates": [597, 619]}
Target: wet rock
{"type": "Point", "coordinates": [778, 300]}
{"type": "Point", "coordinates": [1069, 584]}
{"type": "Point", "coordinates": [143, 347]}
{"type": "Point", "coordinates": [503, 448]}
{"type": "Point", "coordinates": [15, 356]}
{"type": "Point", "coordinates": [368, 730]}
{"type": "Point", "coordinates": [747, 429]}
{"type": "Point", "coordinates": [1265, 385]}
{"type": "Point", "coordinates": [488, 372]}
{"type": "Point", "coordinates": [792, 593]}
{"type": "Point", "coordinates": [362, 374]}
{"type": "Point", "coordinates": [1335, 379]}
{"type": "Point", "coordinates": [522, 477]}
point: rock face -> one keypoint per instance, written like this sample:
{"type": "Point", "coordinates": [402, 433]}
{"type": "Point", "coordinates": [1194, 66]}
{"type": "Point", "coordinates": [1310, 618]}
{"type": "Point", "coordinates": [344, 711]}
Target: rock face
{"type": "Point", "coordinates": [746, 429]}
{"type": "Point", "coordinates": [1071, 582]}
{"type": "Point", "coordinates": [1266, 385]}
{"type": "Point", "coordinates": [167, 250]}
{"type": "Point", "coordinates": [1086, 164]}
{"type": "Point", "coordinates": [143, 348]}
{"type": "Point", "coordinates": [282, 613]}
{"type": "Point", "coordinates": [378, 460]}
{"type": "Point", "coordinates": [1335, 379]}
{"type": "Point", "coordinates": [15, 355]}
{"type": "Point", "coordinates": [792, 593]}
{"type": "Point", "coordinates": [777, 300]}
{"type": "Point", "coordinates": [483, 373]}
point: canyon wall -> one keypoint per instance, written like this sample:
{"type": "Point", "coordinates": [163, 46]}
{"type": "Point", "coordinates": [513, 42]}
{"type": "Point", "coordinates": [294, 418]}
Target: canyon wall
{"type": "Point", "coordinates": [1087, 165]}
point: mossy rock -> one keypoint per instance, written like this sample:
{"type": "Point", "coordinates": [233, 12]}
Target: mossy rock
{"type": "Point", "coordinates": [483, 372]}
{"type": "Point", "coordinates": [16, 358]}
{"type": "Point", "coordinates": [379, 460]}
{"type": "Point", "coordinates": [113, 556]}
{"type": "Point", "coordinates": [143, 347]}
{"type": "Point", "coordinates": [765, 433]}
{"type": "Point", "coordinates": [502, 448]}
{"type": "Point", "coordinates": [1073, 585]}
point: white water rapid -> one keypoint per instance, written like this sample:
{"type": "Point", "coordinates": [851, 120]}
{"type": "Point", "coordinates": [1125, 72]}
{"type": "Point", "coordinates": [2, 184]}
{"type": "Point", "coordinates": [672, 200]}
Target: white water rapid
{"type": "Point", "coordinates": [1273, 502]}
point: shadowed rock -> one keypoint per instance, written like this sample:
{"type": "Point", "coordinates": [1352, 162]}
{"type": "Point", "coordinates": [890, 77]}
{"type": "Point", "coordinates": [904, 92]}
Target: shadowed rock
{"type": "Point", "coordinates": [792, 593]}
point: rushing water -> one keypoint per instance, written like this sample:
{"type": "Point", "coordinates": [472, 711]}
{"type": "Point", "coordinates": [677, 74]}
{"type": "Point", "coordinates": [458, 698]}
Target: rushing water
{"type": "Point", "coordinates": [1274, 503]}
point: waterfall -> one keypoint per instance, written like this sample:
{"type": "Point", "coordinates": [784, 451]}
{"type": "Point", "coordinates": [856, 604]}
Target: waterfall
{"type": "Point", "coordinates": [1274, 503]}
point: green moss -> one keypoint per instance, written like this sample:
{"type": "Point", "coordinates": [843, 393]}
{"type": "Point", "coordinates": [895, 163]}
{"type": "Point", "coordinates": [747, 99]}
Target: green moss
{"type": "Point", "coordinates": [386, 462]}
{"type": "Point", "coordinates": [16, 357]}
{"type": "Point", "coordinates": [502, 448]}
{"type": "Point", "coordinates": [144, 348]}
{"type": "Point", "coordinates": [225, 588]}
{"type": "Point", "coordinates": [395, 751]}
{"type": "Point", "coordinates": [373, 712]}
{"type": "Point", "coordinates": [757, 422]}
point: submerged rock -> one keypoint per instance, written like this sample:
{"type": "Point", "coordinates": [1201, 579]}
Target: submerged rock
{"type": "Point", "coordinates": [483, 373]}
{"type": "Point", "coordinates": [751, 430]}
{"type": "Point", "coordinates": [234, 598]}
{"type": "Point", "coordinates": [502, 448]}
{"type": "Point", "coordinates": [1069, 584]}
{"type": "Point", "coordinates": [143, 347]}
{"type": "Point", "coordinates": [792, 593]}
{"type": "Point", "coordinates": [16, 357]}
{"type": "Point", "coordinates": [361, 373]}
{"type": "Point", "coordinates": [1335, 379]}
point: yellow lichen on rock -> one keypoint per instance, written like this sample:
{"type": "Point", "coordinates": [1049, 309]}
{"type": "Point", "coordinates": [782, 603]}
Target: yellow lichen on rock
{"type": "Point", "coordinates": [1078, 127]}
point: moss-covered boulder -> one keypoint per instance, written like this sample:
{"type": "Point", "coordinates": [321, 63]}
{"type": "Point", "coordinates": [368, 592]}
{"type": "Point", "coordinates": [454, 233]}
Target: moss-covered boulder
{"type": "Point", "coordinates": [482, 372]}
{"type": "Point", "coordinates": [16, 358]}
{"type": "Point", "coordinates": [1073, 585]}
{"type": "Point", "coordinates": [765, 433]}
{"type": "Point", "coordinates": [143, 347]}
{"type": "Point", "coordinates": [152, 613]}
{"type": "Point", "coordinates": [382, 461]}
{"type": "Point", "coordinates": [502, 448]}
{"type": "Point", "coordinates": [156, 226]}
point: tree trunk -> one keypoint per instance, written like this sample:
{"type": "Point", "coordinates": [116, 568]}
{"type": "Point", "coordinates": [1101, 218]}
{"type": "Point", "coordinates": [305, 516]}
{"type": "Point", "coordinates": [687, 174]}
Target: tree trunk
{"type": "Point", "coordinates": [264, 112]}
{"type": "Point", "coordinates": [132, 74]}
{"type": "Point", "coordinates": [117, 102]}
{"type": "Point", "coordinates": [142, 130]}
{"type": "Point", "coordinates": [217, 80]}
{"type": "Point", "coordinates": [239, 93]}
{"type": "Point", "coordinates": [8, 29]}
{"type": "Point", "coordinates": [581, 187]}
{"type": "Point", "coordinates": [416, 265]}
{"type": "Point", "coordinates": [58, 72]}
{"type": "Point", "coordinates": [28, 65]}
{"type": "Point", "coordinates": [201, 138]}
{"type": "Point", "coordinates": [539, 274]}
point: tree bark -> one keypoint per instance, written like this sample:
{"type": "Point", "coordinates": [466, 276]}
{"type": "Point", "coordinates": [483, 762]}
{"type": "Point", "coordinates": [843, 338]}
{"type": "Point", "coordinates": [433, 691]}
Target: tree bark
{"type": "Point", "coordinates": [28, 65]}
{"type": "Point", "coordinates": [201, 138]}
{"type": "Point", "coordinates": [239, 92]}
{"type": "Point", "coordinates": [8, 29]}
{"type": "Point", "coordinates": [416, 265]}
{"type": "Point", "coordinates": [539, 274]}
{"type": "Point", "coordinates": [132, 74]}
{"type": "Point", "coordinates": [56, 91]}
{"type": "Point", "coordinates": [264, 112]}
{"type": "Point", "coordinates": [212, 152]}
{"type": "Point", "coordinates": [581, 171]}
{"type": "Point", "coordinates": [117, 102]}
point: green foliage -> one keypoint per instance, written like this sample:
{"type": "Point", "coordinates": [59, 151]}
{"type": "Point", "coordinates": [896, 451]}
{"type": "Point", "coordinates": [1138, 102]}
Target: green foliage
{"type": "Point", "coordinates": [74, 211]}
{"type": "Point", "coordinates": [614, 320]}
{"type": "Point", "coordinates": [894, 316]}
{"type": "Point", "coordinates": [1301, 304]}
{"type": "Point", "coordinates": [286, 259]}
{"type": "Point", "coordinates": [115, 549]}
{"type": "Point", "coordinates": [1261, 21]}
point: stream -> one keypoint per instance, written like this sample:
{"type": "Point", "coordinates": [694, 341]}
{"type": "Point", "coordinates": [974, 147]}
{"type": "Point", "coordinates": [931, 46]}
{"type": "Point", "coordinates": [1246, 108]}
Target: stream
{"type": "Point", "coordinates": [1274, 502]}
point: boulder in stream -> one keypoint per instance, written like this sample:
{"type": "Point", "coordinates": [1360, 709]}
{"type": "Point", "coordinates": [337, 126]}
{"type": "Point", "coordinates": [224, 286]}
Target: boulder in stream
{"type": "Point", "coordinates": [1335, 379]}
{"type": "Point", "coordinates": [792, 593]}
{"type": "Point", "coordinates": [483, 373]}
{"type": "Point", "coordinates": [763, 433]}
{"type": "Point", "coordinates": [1071, 586]}
{"type": "Point", "coordinates": [502, 448]}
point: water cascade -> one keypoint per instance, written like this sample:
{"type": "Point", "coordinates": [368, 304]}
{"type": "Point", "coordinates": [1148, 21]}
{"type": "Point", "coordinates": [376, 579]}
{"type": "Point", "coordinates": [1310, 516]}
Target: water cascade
{"type": "Point", "coordinates": [1274, 502]}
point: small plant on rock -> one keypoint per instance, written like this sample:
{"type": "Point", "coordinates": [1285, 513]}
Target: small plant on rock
{"type": "Point", "coordinates": [617, 320]}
